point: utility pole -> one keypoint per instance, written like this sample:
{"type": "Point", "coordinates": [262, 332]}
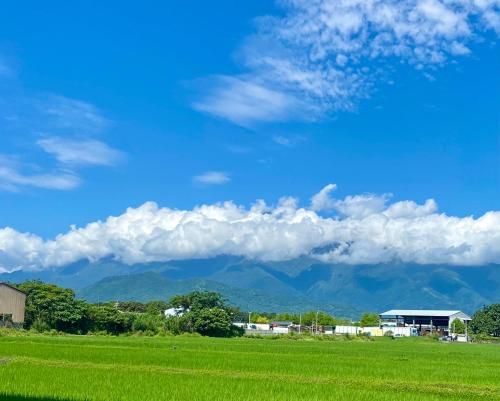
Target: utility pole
{"type": "Point", "coordinates": [249, 314]}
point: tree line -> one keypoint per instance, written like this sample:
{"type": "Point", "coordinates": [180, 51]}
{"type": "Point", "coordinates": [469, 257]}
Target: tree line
{"type": "Point", "coordinates": [53, 308]}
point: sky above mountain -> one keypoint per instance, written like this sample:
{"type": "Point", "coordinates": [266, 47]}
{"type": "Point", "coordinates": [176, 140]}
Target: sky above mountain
{"type": "Point", "coordinates": [161, 108]}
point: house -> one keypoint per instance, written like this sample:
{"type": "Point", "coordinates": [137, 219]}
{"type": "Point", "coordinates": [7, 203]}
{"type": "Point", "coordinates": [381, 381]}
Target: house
{"type": "Point", "coordinates": [174, 312]}
{"type": "Point", "coordinates": [12, 304]}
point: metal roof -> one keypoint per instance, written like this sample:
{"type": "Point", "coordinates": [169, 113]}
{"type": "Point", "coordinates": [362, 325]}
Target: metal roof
{"type": "Point", "coordinates": [421, 312]}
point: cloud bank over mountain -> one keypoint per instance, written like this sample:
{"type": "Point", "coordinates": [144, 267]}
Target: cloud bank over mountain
{"type": "Point", "coordinates": [358, 229]}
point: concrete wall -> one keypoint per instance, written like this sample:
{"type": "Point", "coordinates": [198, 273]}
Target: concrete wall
{"type": "Point", "coordinates": [12, 302]}
{"type": "Point", "coordinates": [351, 330]}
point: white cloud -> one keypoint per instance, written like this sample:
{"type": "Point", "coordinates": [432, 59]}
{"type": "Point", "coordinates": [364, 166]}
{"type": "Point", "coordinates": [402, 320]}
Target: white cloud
{"type": "Point", "coordinates": [80, 151]}
{"type": "Point", "coordinates": [212, 178]}
{"type": "Point", "coordinates": [402, 231]}
{"type": "Point", "coordinates": [289, 141]}
{"type": "Point", "coordinates": [243, 101]}
{"type": "Point", "coordinates": [70, 126]}
{"type": "Point", "coordinates": [322, 201]}
{"type": "Point", "coordinates": [357, 206]}
{"type": "Point", "coordinates": [324, 55]}
{"type": "Point", "coordinates": [72, 114]}
{"type": "Point", "coordinates": [282, 140]}
{"type": "Point", "coordinates": [13, 177]}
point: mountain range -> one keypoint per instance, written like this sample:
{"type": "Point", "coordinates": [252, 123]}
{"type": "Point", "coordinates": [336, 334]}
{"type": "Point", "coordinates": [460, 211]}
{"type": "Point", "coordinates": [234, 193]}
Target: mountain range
{"type": "Point", "coordinates": [292, 286]}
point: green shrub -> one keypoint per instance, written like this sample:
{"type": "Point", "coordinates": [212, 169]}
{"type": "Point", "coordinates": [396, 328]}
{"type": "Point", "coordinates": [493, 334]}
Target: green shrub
{"type": "Point", "coordinates": [40, 326]}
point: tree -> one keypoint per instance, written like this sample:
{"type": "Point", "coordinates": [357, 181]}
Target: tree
{"type": "Point", "coordinates": [487, 321]}
{"type": "Point", "coordinates": [156, 307]}
{"type": "Point", "coordinates": [321, 318]}
{"type": "Point", "coordinates": [369, 320]}
{"type": "Point", "coordinates": [204, 313]}
{"type": "Point", "coordinates": [261, 319]}
{"type": "Point", "coordinates": [53, 307]}
{"type": "Point", "coordinates": [197, 300]}
{"type": "Point", "coordinates": [309, 318]}
{"type": "Point", "coordinates": [108, 318]}
{"type": "Point", "coordinates": [132, 306]}
{"type": "Point", "coordinates": [147, 322]}
{"type": "Point", "coordinates": [213, 322]}
{"type": "Point", "coordinates": [292, 317]}
{"type": "Point", "coordinates": [458, 327]}
{"type": "Point", "coordinates": [238, 315]}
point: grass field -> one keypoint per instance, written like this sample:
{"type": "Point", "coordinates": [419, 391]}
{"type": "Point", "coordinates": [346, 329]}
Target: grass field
{"type": "Point", "coordinates": [193, 368]}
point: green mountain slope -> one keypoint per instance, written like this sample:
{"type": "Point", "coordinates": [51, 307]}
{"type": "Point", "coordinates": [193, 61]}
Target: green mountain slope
{"type": "Point", "coordinates": [299, 284]}
{"type": "Point", "coordinates": [153, 286]}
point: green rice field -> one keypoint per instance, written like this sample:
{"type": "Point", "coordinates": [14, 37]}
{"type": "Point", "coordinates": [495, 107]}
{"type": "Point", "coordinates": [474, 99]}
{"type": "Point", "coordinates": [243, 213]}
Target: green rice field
{"type": "Point", "coordinates": [46, 368]}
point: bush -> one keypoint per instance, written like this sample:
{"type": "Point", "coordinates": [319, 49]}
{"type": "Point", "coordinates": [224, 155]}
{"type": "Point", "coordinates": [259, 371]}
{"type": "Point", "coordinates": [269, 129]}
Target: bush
{"type": "Point", "coordinates": [204, 313]}
{"type": "Point", "coordinates": [369, 320]}
{"type": "Point", "coordinates": [458, 327]}
{"type": "Point", "coordinates": [213, 322]}
{"type": "Point", "coordinates": [108, 318]}
{"type": "Point", "coordinates": [149, 323]}
{"type": "Point", "coordinates": [40, 326]}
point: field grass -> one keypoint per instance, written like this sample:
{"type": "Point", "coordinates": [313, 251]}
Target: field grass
{"type": "Point", "coordinates": [48, 368]}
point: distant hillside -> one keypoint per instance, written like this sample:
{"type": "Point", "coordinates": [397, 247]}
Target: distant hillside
{"type": "Point", "coordinates": [152, 286]}
{"type": "Point", "coordinates": [299, 284]}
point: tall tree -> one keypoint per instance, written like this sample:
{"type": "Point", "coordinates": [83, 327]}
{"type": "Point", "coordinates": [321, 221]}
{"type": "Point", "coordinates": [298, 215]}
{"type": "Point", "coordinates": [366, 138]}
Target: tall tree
{"type": "Point", "coordinates": [53, 307]}
{"type": "Point", "coordinates": [204, 313]}
{"type": "Point", "coordinates": [369, 320]}
{"type": "Point", "coordinates": [487, 321]}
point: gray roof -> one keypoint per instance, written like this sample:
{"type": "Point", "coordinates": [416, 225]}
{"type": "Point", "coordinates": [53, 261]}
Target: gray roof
{"type": "Point", "coordinates": [421, 312]}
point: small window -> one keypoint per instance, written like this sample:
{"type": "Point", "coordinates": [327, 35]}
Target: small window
{"type": "Point", "coordinates": [5, 319]}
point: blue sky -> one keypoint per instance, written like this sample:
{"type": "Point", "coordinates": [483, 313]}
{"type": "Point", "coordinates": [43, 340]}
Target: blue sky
{"type": "Point", "coordinates": [107, 106]}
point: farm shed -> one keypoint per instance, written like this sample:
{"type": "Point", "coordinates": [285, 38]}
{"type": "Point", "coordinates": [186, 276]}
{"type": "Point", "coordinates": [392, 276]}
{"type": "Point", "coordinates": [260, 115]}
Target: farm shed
{"type": "Point", "coordinates": [12, 304]}
{"type": "Point", "coordinates": [425, 320]}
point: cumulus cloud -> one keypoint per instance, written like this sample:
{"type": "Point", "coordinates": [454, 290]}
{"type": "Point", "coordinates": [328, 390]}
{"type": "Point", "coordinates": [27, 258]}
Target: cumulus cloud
{"type": "Point", "coordinates": [351, 206]}
{"type": "Point", "coordinates": [80, 151]}
{"type": "Point", "coordinates": [321, 56]}
{"type": "Point", "coordinates": [212, 178]}
{"type": "Point", "coordinates": [401, 231]}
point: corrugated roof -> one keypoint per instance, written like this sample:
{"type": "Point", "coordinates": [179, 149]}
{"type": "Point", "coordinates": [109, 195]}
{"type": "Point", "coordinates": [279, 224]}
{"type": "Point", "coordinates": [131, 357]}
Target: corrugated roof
{"type": "Point", "coordinates": [421, 312]}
